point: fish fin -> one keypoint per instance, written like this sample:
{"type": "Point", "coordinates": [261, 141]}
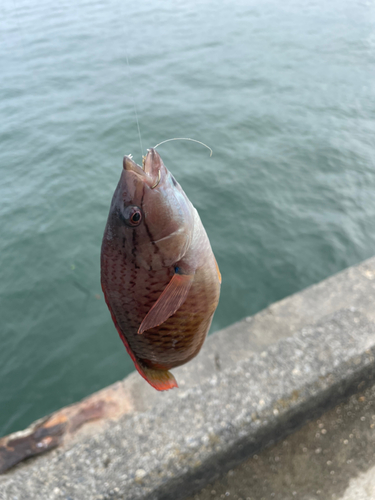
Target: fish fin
{"type": "Point", "coordinates": [218, 270]}
{"type": "Point", "coordinates": [171, 299]}
{"type": "Point", "coordinates": [161, 380]}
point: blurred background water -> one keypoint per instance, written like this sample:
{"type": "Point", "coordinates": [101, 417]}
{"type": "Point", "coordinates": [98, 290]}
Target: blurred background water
{"type": "Point", "coordinates": [282, 91]}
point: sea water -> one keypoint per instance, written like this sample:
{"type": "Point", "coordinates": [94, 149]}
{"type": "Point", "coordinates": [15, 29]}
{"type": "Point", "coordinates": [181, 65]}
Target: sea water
{"type": "Point", "coordinates": [284, 94]}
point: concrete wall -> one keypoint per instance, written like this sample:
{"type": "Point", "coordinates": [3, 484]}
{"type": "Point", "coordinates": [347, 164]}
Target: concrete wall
{"type": "Point", "coordinates": [252, 384]}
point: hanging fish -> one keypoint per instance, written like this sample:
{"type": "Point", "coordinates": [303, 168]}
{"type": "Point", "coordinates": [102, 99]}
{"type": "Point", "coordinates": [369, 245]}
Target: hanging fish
{"type": "Point", "coordinates": [159, 275]}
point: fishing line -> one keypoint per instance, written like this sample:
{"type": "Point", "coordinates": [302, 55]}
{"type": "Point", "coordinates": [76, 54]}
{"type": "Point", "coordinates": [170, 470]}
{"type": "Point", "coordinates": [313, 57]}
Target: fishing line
{"type": "Point", "coordinates": [135, 109]}
{"type": "Point", "coordinates": [184, 139]}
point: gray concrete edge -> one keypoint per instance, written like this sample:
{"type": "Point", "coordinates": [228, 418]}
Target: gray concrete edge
{"type": "Point", "coordinates": [173, 444]}
{"type": "Point", "coordinates": [278, 419]}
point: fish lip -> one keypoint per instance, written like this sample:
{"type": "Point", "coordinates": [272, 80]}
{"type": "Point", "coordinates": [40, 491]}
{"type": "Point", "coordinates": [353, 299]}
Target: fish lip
{"type": "Point", "coordinates": [151, 172]}
{"type": "Point", "coordinates": [152, 165]}
{"type": "Point", "coordinates": [130, 166]}
{"type": "Point", "coordinates": [152, 160]}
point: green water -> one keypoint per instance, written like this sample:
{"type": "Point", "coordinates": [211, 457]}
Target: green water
{"type": "Point", "coordinates": [284, 94]}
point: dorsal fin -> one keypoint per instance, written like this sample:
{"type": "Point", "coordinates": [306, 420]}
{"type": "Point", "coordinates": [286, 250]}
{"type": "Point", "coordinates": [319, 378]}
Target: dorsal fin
{"type": "Point", "coordinates": [218, 270]}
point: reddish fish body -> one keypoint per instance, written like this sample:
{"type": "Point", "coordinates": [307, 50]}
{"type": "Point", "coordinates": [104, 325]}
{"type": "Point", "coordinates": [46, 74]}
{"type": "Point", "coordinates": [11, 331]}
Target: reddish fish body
{"type": "Point", "coordinates": [158, 272]}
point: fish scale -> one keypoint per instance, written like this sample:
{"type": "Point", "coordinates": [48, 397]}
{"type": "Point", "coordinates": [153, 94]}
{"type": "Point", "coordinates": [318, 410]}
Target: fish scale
{"type": "Point", "coordinates": [159, 276]}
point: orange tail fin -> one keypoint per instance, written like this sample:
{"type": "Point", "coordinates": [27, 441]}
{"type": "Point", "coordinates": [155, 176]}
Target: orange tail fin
{"type": "Point", "coordinates": [161, 380]}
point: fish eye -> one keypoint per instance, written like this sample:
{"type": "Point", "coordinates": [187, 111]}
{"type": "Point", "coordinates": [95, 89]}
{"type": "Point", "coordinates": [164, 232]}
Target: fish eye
{"type": "Point", "coordinates": [136, 217]}
{"type": "Point", "coordinates": [132, 216]}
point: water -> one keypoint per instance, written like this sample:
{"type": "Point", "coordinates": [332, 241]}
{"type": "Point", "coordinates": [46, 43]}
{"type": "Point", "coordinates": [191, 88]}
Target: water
{"type": "Point", "coordinates": [282, 91]}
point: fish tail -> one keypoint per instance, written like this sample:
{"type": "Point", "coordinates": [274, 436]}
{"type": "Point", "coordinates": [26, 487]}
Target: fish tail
{"type": "Point", "coordinates": [161, 380]}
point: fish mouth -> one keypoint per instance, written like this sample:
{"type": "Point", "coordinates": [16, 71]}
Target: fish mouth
{"type": "Point", "coordinates": [151, 169]}
{"type": "Point", "coordinates": [130, 165]}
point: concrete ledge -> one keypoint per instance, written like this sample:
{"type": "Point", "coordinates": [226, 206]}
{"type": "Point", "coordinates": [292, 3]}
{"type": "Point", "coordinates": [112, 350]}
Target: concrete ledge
{"type": "Point", "coordinates": [235, 398]}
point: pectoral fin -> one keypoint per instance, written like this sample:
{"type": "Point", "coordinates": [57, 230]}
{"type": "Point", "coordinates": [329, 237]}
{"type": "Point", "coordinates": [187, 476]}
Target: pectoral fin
{"type": "Point", "coordinates": [172, 298]}
{"type": "Point", "coordinates": [161, 380]}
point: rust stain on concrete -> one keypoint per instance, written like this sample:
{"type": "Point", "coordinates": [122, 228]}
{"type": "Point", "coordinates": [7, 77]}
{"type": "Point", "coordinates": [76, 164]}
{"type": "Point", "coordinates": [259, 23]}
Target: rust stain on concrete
{"type": "Point", "coordinates": [60, 427]}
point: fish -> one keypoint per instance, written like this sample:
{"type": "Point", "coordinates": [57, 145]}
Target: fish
{"type": "Point", "coordinates": [159, 276]}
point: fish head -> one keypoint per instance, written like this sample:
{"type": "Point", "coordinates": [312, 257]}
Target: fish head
{"type": "Point", "coordinates": [150, 215]}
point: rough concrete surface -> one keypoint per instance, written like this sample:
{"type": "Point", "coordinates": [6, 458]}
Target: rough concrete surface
{"type": "Point", "coordinates": [64, 425]}
{"type": "Point", "coordinates": [251, 385]}
{"type": "Point", "coordinates": [176, 447]}
{"type": "Point", "coordinates": [352, 288]}
{"type": "Point", "coordinates": [330, 458]}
